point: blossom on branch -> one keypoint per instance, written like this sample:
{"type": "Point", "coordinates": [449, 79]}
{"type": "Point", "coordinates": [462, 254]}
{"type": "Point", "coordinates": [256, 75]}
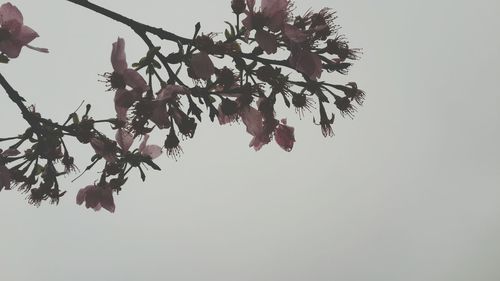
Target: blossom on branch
{"type": "Point", "coordinates": [14, 35]}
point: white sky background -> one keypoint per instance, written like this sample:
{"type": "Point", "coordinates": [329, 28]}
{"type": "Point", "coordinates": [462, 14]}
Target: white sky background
{"type": "Point", "coordinates": [408, 190]}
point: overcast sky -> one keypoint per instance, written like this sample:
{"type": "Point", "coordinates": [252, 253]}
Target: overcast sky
{"type": "Point", "coordinates": [408, 190]}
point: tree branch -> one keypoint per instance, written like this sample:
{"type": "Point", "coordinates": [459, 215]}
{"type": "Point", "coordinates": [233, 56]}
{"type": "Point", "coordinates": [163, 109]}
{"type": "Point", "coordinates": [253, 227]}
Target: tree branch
{"type": "Point", "coordinates": [162, 34]}
{"type": "Point", "coordinates": [18, 100]}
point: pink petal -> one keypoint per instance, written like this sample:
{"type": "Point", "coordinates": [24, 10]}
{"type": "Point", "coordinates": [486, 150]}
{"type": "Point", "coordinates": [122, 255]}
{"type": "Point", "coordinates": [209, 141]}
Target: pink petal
{"type": "Point", "coordinates": [202, 65]}
{"type": "Point", "coordinates": [4, 178]}
{"type": "Point", "coordinates": [307, 63]}
{"type": "Point", "coordinates": [250, 4]}
{"type": "Point", "coordinates": [123, 101]}
{"type": "Point", "coordinates": [294, 34]}
{"type": "Point", "coordinates": [160, 115]}
{"type": "Point", "coordinates": [257, 143]}
{"type": "Point", "coordinates": [284, 136]}
{"type": "Point", "coordinates": [271, 7]}
{"type": "Point", "coordinates": [118, 59]}
{"type": "Point", "coordinates": [266, 41]}
{"type": "Point", "coordinates": [134, 79]}
{"type": "Point", "coordinates": [252, 118]}
{"type": "Point", "coordinates": [100, 148]}
{"type": "Point", "coordinates": [26, 35]}
{"type": "Point", "coordinates": [152, 151]}
{"type": "Point", "coordinates": [276, 11]}
{"type": "Point", "coordinates": [92, 197]}
{"type": "Point", "coordinates": [107, 201]}
{"type": "Point", "coordinates": [170, 92]}
{"type": "Point", "coordinates": [9, 12]}
{"type": "Point", "coordinates": [124, 139]}
{"type": "Point", "coordinates": [82, 193]}
{"type": "Point", "coordinates": [10, 48]}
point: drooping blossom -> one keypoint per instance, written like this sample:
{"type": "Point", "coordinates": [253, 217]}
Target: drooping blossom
{"type": "Point", "coordinates": [325, 122]}
{"type": "Point", "coordinates": [172, 144]}
{"type": "Point", "coordinates": [97, 197]}
{"type": "Point", "coordinates": [351, 91]}
{"type": "Point", "coordinates": [202, 66]}
{"type": "Point", "coordinates": [13, 33]}
{"type": "Point", "coordinates": [345, 106]}
{"type": "Point", "coordinates": [284, 136]}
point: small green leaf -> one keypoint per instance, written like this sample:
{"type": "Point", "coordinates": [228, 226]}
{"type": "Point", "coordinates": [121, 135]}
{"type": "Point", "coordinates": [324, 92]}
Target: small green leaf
{"type": "Point", "coordinates": [38, 169]}
{"type": "Point", "coordinates": [4, 58]}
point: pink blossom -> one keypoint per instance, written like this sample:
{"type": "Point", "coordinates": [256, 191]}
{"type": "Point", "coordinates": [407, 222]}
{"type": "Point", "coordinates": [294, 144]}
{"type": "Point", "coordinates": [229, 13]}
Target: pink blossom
{"type": "Point", "coordinates": [13, 33]}
{"type": "Point", "coordinates": [267, 41]}
{"type": "Point", "coordinates": [96, 197]}
{"type": "Point", "coordinates": [294, 34]}
{"type": "Point", "coordinates": [123, 100]}
{"type": "Point", "coordinates": [150, 150]}
{"type": "Point", "coordinates": [284, 136]}
{"type": "Point", "coordinates": [202, 65]}
{"type": "Point", "coordinates": [252, 118]}
{"type": "Point", "coordinates": [276, 11]}
{"type": "Point", "coordinates": [122, 77]}
{"type": "Point", "coordinates": [170, 93]}
{"type": "Point", "coordinates": [105, 148]}
{"type": "Point", "coordinates": [306, 63]}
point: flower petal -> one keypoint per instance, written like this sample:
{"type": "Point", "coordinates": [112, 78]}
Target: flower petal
{"type": "Point", "coordinates": [82, 193]}
{"type": "Point", "coordinates": [252, 118]}
{"type": "Point", "coordinates": [152, 151]}
{"type": "Point", "coordinates": [307, 63]}
{"type": "Point", "coordinates": [266, 41]}
{"type": "Point", "coordinates": [9, 12]}
{"type": "Point", "coordinates": [294, 34]}
{"type": "Point", "coordinates": [11, 48]}
{"type": "Point", "coordinates": [124, 139]}
{"type": "Point", "coordinates": [118, 58]}
{"type": "Point", "coordinates": [107, 201]}
{"type": "Point", "coordinates": [202, 65]}
{"type": "Point", "coordinates": [26, 35]}
{"type": "Point", "coordinates": [135, 80]}
{"type": "Point", "coordinates": [284, 136]}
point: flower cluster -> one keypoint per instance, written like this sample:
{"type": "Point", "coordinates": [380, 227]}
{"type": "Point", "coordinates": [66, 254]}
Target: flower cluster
{"type": "Point", "coordinates": [149, 96]}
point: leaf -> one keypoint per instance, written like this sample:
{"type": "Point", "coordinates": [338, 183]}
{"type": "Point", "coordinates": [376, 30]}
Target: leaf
{"type": "Point", "coordinates": [38, 169]}
{"type": "Point", "coordinates": [152, 164]}
{"type": "Point", "coordinates": [4, 58]}
{"type": "Point", "coordinates": [287, 102]}
{"type": "Point", "coordinates": [143, 176]}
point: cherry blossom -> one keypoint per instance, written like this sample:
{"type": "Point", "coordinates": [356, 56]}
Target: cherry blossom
{"type": "Point", "coordinates": [97, 197]}
{"type": "Point", "coordinates": [13, 33]}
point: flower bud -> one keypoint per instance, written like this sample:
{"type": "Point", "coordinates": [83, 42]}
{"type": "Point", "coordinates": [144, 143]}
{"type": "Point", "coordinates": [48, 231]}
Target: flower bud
{"type": "Point", "coordinates": [238, 6]}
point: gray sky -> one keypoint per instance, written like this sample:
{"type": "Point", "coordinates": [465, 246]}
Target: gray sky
{"type": "Point", "coordinates": [408, 190]}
